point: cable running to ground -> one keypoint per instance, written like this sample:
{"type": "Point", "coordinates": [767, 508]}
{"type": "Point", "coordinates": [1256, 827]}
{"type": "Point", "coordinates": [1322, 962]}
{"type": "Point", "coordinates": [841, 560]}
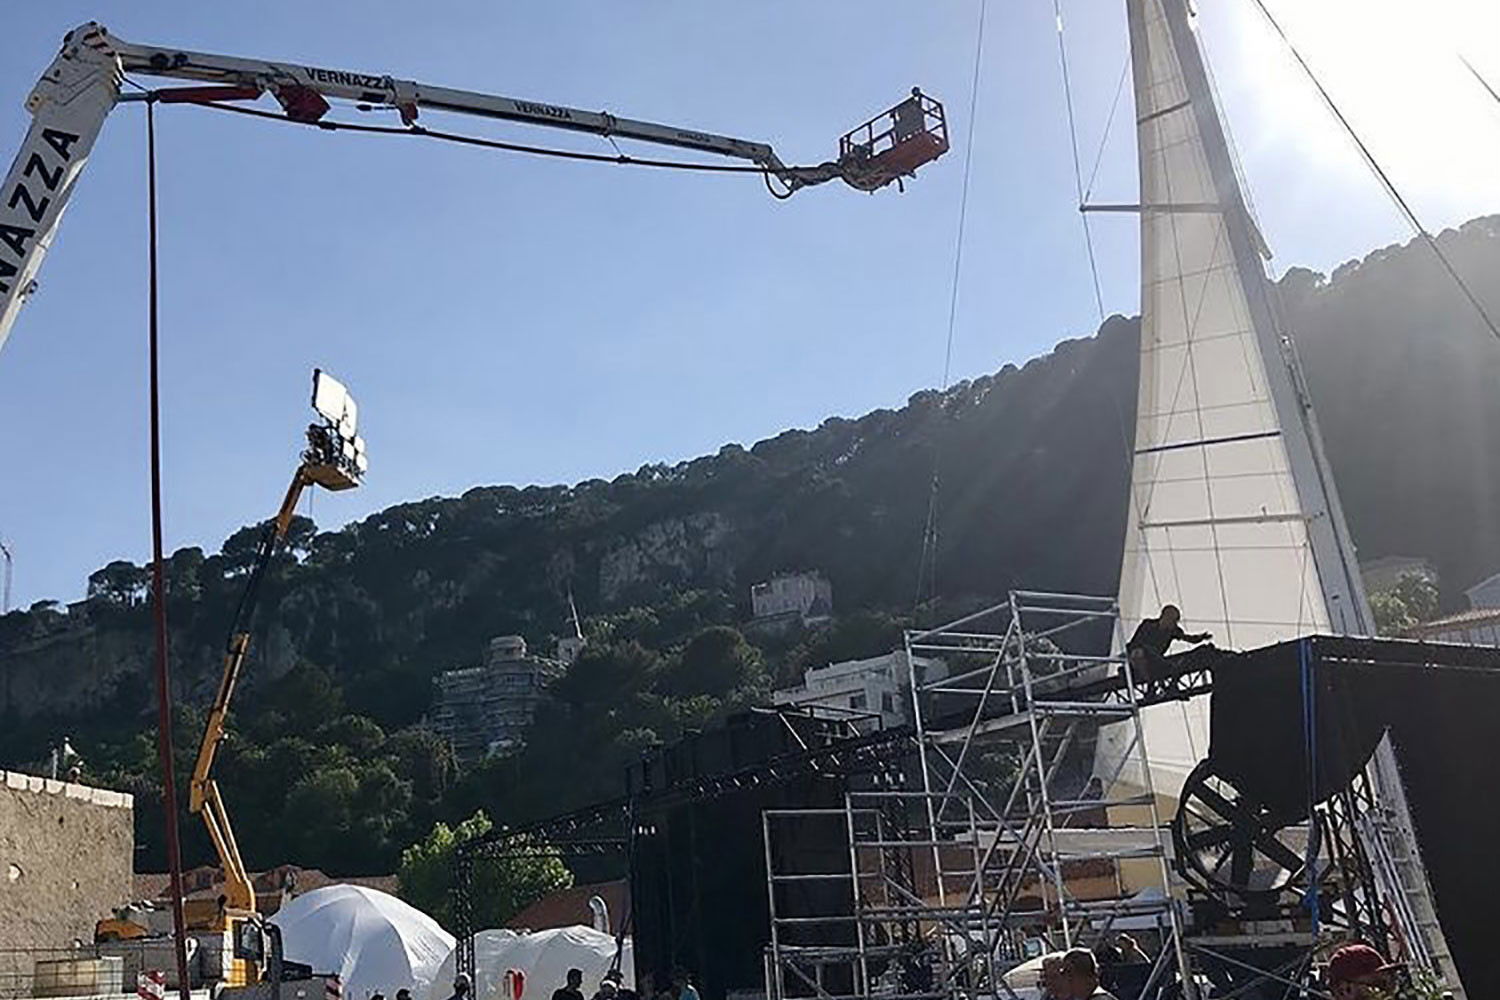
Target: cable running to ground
{"type": "Point", "coordinates": [158, 584]}
{"type": "Point", "coordinates": [927, 561]}
{"type": "Point", "coordinates": [1390, 188]}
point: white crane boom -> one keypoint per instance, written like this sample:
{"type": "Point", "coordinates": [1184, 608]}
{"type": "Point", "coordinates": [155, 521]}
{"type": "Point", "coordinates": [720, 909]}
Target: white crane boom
{"type": "Point", "coordinates": [82, 85]}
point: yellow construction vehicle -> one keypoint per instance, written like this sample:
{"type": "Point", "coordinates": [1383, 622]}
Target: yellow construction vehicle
{"type": "Point", "coordinates": [335, 460]}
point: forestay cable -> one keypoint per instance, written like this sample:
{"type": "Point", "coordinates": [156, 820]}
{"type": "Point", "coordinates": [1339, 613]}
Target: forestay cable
{"type": "Point", "coordinates": [1385, 181]}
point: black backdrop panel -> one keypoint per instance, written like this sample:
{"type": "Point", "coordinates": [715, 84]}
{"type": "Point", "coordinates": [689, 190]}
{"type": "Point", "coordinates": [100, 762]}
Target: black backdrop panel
{"type": "Point", "coordinates": [698, 877]}
{"type": "Point", "coordinates": [1440, 704]}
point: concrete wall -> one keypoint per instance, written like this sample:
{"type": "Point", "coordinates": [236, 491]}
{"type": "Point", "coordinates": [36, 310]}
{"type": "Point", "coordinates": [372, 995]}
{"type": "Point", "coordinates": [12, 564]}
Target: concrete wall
{"type": "Point", "coordinates": [66, 859]}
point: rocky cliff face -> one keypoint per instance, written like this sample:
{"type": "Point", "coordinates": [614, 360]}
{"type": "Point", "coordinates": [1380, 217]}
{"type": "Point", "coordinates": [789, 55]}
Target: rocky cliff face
{"type": "Point", "coordinates": [73, 669]}
{"type": "Point", "coordinates": [692, 551]}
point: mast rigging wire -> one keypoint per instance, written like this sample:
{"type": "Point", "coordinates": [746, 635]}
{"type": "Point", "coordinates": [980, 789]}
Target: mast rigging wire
{"type": "Point", "coordinates": [1385, 181]}
{"type": "Point", "coordinates": [927, 560]}
{"type": "Point", "coordinates": [1067, 82]}
{"type": "Point", "coordinates": [1474, 71]}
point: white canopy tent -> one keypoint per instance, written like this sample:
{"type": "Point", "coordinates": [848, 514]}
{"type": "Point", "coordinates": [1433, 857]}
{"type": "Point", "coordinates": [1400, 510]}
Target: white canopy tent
{"type": "Point", "coordinates": [543, 959]}
{"type": "Point", "coordinates": [374, 941]}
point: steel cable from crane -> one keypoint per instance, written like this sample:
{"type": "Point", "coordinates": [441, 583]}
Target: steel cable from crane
{"type": "Point", "coordinates": [158, 584]}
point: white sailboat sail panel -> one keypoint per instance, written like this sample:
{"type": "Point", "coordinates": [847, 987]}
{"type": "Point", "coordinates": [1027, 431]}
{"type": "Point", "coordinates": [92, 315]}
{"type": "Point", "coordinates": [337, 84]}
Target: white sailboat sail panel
{"type": "Point", "coordinates": [1215, 524]}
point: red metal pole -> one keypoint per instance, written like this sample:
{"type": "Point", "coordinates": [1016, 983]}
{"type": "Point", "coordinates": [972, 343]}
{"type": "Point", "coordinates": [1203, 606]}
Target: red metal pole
{"type": "Point", "coordinates": [159, 601]}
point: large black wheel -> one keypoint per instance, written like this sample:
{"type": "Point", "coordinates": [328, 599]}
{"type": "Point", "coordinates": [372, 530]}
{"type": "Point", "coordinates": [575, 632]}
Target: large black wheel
{"type": "Point", "coordinates": [1226, 843]}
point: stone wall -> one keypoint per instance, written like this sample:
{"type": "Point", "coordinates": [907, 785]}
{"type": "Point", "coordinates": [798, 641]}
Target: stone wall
{"type": "Point", "coordinates": [66, 858]}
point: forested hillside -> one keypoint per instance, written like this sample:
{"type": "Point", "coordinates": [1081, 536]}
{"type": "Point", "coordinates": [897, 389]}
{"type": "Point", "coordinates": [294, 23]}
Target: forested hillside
{"type": "Point", "coordinates": [329, 763]}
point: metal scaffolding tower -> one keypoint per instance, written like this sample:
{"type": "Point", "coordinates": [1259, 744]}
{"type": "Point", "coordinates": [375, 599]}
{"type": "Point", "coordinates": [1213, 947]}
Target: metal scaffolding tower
{"type": "Point", "coordinates": [995, 845]}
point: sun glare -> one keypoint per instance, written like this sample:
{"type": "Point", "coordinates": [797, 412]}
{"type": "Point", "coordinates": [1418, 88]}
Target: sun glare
{"type": "Point", "coordinates": [1394, 68]}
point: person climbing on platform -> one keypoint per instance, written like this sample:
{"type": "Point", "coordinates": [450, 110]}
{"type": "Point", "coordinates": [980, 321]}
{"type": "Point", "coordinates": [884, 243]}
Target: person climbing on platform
{"type": "Point", "coordinates": [1153, 637]}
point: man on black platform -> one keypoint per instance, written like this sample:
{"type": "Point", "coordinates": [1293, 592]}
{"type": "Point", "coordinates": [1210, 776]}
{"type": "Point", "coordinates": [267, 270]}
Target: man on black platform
{"type": "Point", "coordinates": [1148, 646]}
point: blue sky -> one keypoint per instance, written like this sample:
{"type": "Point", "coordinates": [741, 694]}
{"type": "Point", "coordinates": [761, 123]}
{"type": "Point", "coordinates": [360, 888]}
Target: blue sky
{"type": "Point", "coordinates": [505, 319]}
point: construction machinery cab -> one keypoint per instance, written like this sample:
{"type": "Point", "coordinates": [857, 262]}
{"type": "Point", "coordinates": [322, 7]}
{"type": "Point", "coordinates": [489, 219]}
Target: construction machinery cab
{"type": "Point", "coordinates": [257, 942]}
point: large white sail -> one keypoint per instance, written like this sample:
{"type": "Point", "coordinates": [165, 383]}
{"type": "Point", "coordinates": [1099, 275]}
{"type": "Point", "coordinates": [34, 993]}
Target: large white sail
{"type": "Point", "coordinates": [1232, 514]}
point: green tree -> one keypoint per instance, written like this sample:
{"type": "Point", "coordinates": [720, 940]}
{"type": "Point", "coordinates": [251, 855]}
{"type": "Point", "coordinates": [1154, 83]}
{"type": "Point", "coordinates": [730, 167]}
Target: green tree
{"type": "Point", "coordinates": [306, 697]}
{"type": "Point", "coordinates": [1412, 601]}
{"type": "Point", "coordinates": [120, 582]}
{"type": "Point", "coordinates": [361, 736]}
{"type": "Point", "coordinates": [502, 886]}
{"type": "Point", "coordinates": [715, 662]}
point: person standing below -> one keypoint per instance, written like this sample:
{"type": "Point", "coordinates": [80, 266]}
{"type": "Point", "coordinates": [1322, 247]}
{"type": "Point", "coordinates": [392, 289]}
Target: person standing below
{"type": "Point", "coordinates": [1051, 979]}
{"type": "Point", "coordinates": [1080, 977]}
{"type": "Point", "coordinates": [683, 986]}
{"type": "Point", "coordinates": [1359, 972]}
{"type": "Point", "coordinates": [573, 990]}
{"type": "Point", "coordinates": [460, 987]}
{"type": "Point", "coordinates": [609, 987]}
{"type": "Point", "coordinates": [1148, 647]}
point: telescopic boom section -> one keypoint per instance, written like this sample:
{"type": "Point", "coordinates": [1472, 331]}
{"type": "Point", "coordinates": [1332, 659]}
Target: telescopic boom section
{"type": "Point", "coordinates": [334, 459]}
{"type": "Point", "coordinates": [77, 92]}
{"type": "Point", "coordinates": [204, 799]}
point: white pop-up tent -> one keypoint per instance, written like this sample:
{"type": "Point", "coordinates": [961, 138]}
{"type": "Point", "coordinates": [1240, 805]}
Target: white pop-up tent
{"type": "Point", "coordinates": [374, 941]}
{"type": "Point", "coordinates": [542, 958]}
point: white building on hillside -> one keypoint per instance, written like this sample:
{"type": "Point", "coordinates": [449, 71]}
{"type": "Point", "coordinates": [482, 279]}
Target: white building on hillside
{"type": "Point", "coordinates": [808, 596]}
{"type": "Point", "coordinates": [878, 686]}
{"type": "Point", "coordinates": [1485, 593]}
{"type": "Point", "coordinates": [486, 709]}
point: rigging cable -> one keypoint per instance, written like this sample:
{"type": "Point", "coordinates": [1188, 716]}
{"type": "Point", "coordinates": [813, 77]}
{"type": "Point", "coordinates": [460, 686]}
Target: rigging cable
{"type": "Point", "coordinates": [927, 560]}
{"type": "Point", "coordinates": [1380, 174]}
{"type": "Point", "coordinates": [1067, 82]}
{"type": "Point", "coordinates": [1109, 123]}
{"type": "Point", "coordinates": [1489, 89]}
{"type": "Point", "coordinates": [1085, 192]}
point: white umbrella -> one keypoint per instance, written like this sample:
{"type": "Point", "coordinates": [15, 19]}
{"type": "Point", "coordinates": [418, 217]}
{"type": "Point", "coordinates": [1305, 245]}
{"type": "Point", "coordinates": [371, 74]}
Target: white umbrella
{"type": "Point", "coordinates": [374, 941]}
{"type": "Point", "coordinates": [543, 959]}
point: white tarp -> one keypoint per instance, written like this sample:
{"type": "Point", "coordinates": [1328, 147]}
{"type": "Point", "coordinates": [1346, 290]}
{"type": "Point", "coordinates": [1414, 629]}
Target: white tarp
{"type": "Point", "coordinates": [542, 957]}
{"type": "Point", "coordinates": [374, 941]}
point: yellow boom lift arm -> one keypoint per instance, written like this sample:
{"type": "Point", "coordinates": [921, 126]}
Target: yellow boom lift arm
{"type": "Point", "coordinates": [335, 460]}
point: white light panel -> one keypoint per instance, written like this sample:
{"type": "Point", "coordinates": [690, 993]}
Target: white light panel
{"type": "Point", "coordinates": [333, 402]}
